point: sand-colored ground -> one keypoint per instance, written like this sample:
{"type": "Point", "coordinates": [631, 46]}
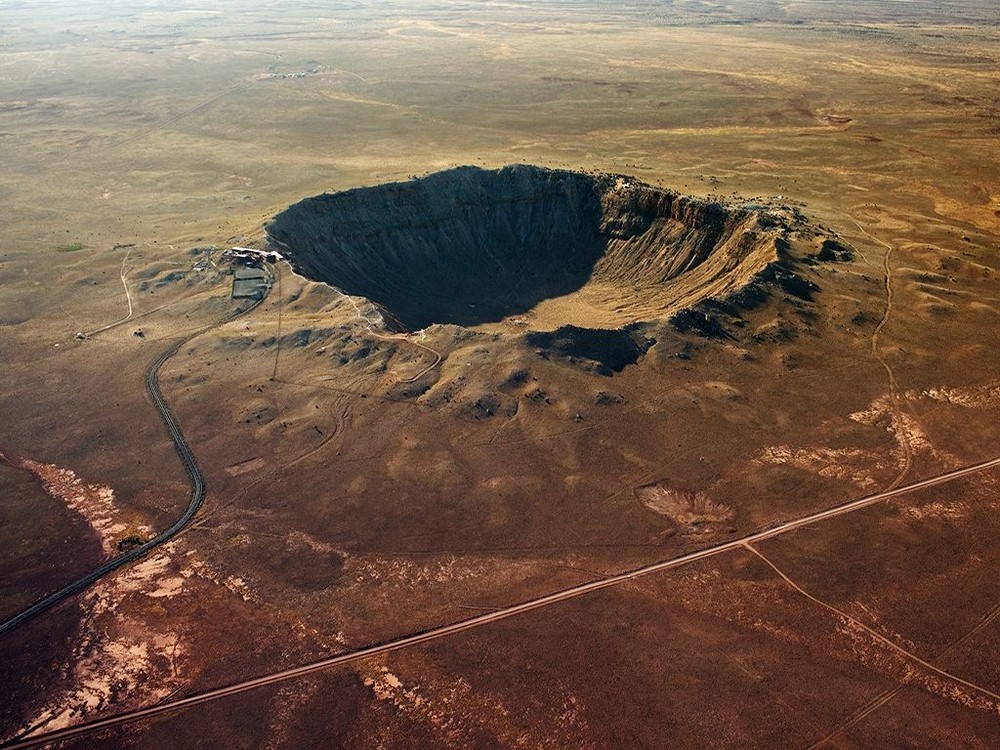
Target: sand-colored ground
{"type": "Point", "coordinates": [360, 489]}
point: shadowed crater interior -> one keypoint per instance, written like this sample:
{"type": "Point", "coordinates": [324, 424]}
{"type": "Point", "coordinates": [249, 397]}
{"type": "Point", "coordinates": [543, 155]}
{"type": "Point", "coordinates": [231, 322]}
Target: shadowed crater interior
{"type": "Point", "coordinates": [546, 248]}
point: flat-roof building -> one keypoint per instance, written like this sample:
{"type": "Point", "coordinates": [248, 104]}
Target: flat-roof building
{"type": "Point", "coordinates": [250, 283]}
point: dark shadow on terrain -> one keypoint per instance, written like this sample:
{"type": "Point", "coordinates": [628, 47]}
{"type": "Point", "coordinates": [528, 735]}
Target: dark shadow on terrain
{"type": "Point", "coordinates": [465, 246]}
{"type": "Point", "coordinates": [612, 350]}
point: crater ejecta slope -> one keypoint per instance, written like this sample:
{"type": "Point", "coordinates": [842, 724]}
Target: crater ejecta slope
{"type": "Point", "coordinates": [551, 248]}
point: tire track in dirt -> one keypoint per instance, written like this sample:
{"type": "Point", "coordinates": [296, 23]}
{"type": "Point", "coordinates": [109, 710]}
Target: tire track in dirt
{"type": "Point", "coordinates": [128, 297]}
{"type": "Point", "coordinates": [904, 437]}
{"type": "Point", "coordinates": [909, 655]}
{"type": "Point", "coordinates": [888, 695]}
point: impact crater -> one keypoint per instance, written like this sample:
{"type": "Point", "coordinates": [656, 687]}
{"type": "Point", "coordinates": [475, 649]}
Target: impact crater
{"type": "Point", "coordinates": [527, 246]}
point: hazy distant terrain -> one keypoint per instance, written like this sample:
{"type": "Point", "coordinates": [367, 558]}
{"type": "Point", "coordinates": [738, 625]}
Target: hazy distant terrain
{"type": "Point", "coordinates": [754, 276]}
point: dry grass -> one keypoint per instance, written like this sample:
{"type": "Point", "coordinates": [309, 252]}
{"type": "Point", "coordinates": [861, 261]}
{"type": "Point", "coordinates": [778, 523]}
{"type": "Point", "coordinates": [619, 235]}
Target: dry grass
{"type": "Point", "coordinates": [170, 130]}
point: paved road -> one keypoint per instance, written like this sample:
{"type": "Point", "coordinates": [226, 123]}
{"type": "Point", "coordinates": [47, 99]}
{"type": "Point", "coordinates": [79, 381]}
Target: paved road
{"type": "Point", "coordinates": [497, 615]}
{"type": "Point", "coordinates": [190, 466]}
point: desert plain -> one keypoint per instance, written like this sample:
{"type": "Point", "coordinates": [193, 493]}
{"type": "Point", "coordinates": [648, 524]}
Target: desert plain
{"type": "Point", "coordinates": [371, 475]}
